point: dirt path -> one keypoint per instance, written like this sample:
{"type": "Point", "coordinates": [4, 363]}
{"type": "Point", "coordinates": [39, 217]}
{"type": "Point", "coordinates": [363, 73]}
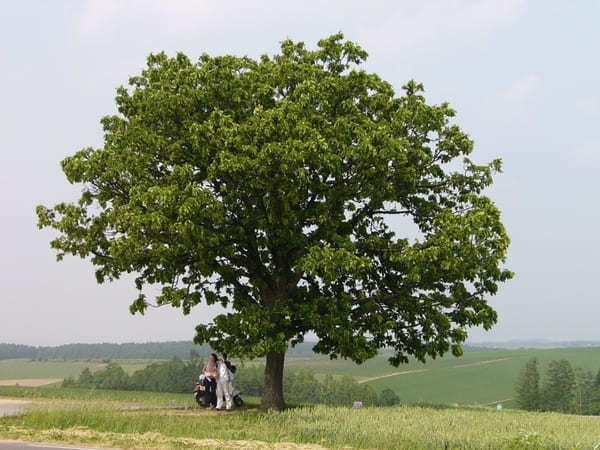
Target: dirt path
{"type": "Point", "coordinates": [494, 403]}
{"type": "Point", "coordinates": [393, 374]}
{"type": "Point", "coordinates": [480, 363]}
{"type": "Point", "coordinates": [408, 372]}
{"type": "Point", "coordinates": [19, 445]}
{"type": "Point", "coordinates": [30, 382]}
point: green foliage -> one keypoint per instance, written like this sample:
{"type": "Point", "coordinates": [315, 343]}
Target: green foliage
{"type": "Point", "coordinates": [586, 393]}
{"type": "Point", "coordinates": [557, 390]}
{"type": "Point", "coordinates": [345, 391]}
{"type": "Point", "coordinates": [267, 185]}
{"type": "Point", "coordinates": [113, 377]}
{"type": "Point", "coordinates": [86, 379]}
{"type": "Point", "coordinates": [250, 380]}
{"type": "Point", "coordinates": [388, 397]}
{"type": "Point", "coordinates": [171, 376]}
{"type": "Point", "coordinates": [564, 390]}
{"type": "Point", "coordinates": [528, 387]}
{"type": "Point", "coordinates": [304, 387]}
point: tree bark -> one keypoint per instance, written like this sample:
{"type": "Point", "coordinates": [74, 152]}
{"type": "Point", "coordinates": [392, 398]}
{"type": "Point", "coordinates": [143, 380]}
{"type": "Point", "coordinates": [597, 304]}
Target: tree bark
{"type": "Point", "coordinates": [273, 395]}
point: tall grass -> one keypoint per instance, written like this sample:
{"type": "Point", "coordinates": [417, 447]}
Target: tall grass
{"type": "Point", "coordinates": [332, 427]}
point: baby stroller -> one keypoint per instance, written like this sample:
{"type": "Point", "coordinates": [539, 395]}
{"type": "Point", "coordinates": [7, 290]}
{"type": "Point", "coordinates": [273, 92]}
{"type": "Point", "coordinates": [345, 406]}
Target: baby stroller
{"type": "Point", "coordinates": [205, 393]}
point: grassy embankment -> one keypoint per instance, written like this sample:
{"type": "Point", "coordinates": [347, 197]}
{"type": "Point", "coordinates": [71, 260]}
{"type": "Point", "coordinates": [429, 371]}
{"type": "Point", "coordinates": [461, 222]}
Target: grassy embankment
{"type": "Point", "coordinates": [403, 427]}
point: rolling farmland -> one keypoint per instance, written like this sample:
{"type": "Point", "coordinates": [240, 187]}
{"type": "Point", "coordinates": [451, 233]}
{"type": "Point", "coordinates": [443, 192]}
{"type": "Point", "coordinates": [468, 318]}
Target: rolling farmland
{"type": "Point", "coordinates": [479, 377]}
{"type": "Point", "coordinates": [16, 369]}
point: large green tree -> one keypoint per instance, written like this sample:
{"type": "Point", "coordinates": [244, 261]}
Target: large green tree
{"type": "Point", "coordinates": [558, 388]}
{"type": "Point", "coordinates": [528, 386]}
{"type": "Point", "coordinates": [586, 394]}
{"type": "Point", "coordinates": [267, 186]}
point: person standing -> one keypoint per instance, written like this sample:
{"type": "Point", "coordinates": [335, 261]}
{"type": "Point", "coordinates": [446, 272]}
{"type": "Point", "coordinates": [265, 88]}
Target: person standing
{"type": "Point", "coordinates": [224, 386]}
{"type": "Point", "coordinates": [210, 381]}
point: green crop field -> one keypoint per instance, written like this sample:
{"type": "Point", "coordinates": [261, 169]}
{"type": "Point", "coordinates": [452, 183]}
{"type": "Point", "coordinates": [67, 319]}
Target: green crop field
{"type": "Point", "coordinates": [380, 366]}
{"type": "Point", "coordinates": [484, 377]}
{"type": "Point", "coordinates": [14, 369]}
{"type": "Point", "coordinates": [480, 376]}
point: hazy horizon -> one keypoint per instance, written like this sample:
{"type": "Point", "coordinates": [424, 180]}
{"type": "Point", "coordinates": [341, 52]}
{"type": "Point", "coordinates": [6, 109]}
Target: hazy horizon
{"type": "Point", "coordinates": [469, 342]}
{"type": "Point", "coordinates": [520, 74]}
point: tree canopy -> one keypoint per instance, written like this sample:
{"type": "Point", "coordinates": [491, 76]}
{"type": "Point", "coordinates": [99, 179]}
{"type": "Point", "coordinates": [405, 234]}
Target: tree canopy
{"type": "Point", "coordinates": [528, 386]}
{"type": "Point", "coordinates": [267, 186]}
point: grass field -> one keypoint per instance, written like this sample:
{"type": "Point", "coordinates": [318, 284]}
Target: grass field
{"type": "Point", "coordinates": [14, 369]}
{"type": "Point", "coordinates": [479, 377]}
{"type": "Point", "coordinates": [96, 395]}
{"type": "Point", "coordinates": [130, 419]}
{"type": "Point", "coordinates": [402, 427]}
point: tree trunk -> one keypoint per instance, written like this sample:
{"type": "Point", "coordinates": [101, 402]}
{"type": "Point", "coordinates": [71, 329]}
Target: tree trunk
{"type": "Point", "coordinates": [273, 395]}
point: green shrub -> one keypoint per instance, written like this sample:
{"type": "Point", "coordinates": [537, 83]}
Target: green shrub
{"type": "Point", "coordinates": [387, 397]}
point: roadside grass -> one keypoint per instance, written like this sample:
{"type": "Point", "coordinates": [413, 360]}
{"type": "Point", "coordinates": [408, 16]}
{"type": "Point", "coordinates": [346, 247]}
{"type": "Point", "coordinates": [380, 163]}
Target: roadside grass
{"type": "Point", "coordinates": [97, 395]}
{"type": "Point", "coordinates": [403, 427]}
{"type": "Point", "coordinates": [103, 396]}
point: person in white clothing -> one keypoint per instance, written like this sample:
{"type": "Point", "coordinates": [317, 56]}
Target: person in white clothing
{"type": "Point", "coordinates": [224, 387]}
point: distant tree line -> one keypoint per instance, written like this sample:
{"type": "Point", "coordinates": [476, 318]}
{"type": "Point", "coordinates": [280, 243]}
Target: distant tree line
{"type": "Point", "coordinates": [176, 375]}
{"type": "Point", "coordinates": [563, 389]}
{"type": "Point", "coordinates": [150, 350]}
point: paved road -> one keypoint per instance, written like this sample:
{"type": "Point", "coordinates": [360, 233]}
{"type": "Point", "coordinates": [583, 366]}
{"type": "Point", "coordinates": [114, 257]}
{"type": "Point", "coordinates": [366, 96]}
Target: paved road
{"type": "Point", "coordinates": [14, 445]}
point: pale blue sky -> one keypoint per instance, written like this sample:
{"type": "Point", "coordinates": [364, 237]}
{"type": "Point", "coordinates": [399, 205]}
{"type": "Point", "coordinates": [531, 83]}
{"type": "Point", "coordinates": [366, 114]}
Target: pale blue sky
{"type": "Point", "coordinates": [522, 75]}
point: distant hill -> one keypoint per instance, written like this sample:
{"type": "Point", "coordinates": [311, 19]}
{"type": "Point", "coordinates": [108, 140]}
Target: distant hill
{"type": "Point", "coordinates": [149, 350]}
{"type": "Point", "coordinates": [534, 343]}
{"type": "Point", "coordinates": [183, 349]}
